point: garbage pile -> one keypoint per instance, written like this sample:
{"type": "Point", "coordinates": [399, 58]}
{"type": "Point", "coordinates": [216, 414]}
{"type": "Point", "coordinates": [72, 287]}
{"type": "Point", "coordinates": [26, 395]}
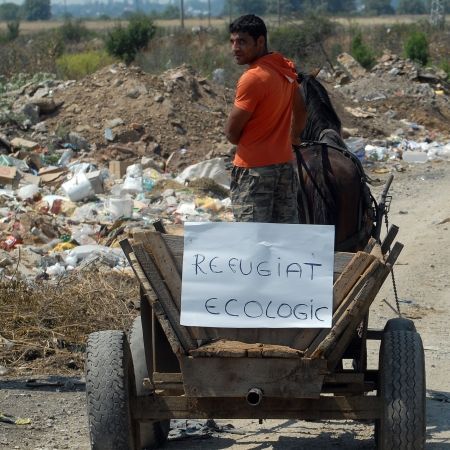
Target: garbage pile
{"type": "Point", "coordinates": [393, 95]}
{"type": "Point", "coordinates": [84, 163]}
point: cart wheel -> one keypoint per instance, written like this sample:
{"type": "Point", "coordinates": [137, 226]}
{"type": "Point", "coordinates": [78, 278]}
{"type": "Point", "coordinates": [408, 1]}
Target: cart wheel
{"type": "Point", "coordinates": [399, 323]}
{"type": "Point", "coordinates": [152, 434]}
{"type": "Point", "coordinates": [402, 389]}
{"type": "Point", "coordinates": [109, 390]}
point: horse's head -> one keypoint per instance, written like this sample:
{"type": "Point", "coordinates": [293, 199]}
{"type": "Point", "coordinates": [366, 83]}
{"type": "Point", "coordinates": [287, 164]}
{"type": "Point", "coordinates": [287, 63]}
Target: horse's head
{"type": "Point", "coordinates": [320, 112]}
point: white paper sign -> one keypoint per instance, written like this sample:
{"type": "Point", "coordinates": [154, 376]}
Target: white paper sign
{"type": "Point", "coordinates": [257, 275]}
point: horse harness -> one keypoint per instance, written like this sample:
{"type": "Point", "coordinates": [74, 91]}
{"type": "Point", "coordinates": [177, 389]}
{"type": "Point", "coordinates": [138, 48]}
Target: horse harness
{"type": "Point", "coordinates": [366, 198]}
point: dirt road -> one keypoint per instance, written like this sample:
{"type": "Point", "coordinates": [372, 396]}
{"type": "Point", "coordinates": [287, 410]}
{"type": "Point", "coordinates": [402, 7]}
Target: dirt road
{"type": "Point", "coordinates": [421, 208]}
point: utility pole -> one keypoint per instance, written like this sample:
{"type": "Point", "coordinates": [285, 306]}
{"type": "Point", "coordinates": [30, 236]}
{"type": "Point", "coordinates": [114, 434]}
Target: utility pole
{"type": "Point", "coordinates": [209, 13]}
{"type": "Point", "coordinates": [182, 14]}
{"type": "Point", "coordinates": [279, 13]}
{"type": "Point", "coordinates": [437, 16]}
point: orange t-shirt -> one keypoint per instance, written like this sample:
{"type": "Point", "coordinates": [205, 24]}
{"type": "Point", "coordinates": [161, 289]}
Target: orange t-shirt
{"type": "Point", "coordinates": [266, 89]}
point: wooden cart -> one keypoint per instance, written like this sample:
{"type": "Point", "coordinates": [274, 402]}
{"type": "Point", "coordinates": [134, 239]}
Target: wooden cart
{"type": "Point", "coordinates": [163, 370]}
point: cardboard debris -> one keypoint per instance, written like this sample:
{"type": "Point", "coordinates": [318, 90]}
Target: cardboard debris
{"type": "Point", "coordinates": [28, 178]}
{"type": "Point", "coordinates": [24, 143]}
{"type": "Point", "coordinates": [8, 175]}
{"type": "Point", "coordinates": [117, 169]}
{"type": "Point", "coordinates": [52, 175]}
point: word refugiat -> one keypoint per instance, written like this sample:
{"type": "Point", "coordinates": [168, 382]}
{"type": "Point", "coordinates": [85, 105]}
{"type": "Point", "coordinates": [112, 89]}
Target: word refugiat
{"type": "Point", "coordinates": [218, 265]}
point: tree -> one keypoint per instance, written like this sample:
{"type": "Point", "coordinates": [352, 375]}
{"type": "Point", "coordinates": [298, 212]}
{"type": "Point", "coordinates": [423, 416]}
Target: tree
{"type": "Point", "coordinates": [9, 11]}
{"type": "Point", "coordinates": [298, 41]}
{"type": "Point", "coordinates": [36, 10]}
{"type": "Point", "coordinates": [124, 43]}
{"type": "Point", "coordinates": [416, 47]}
{"type": "Point", "coordinates": [361, 52]}
{"type": "Point", "coordinates": [378, 7]}
{"type": "Point", "coordinates": [257, 7]}
{"type": "Point", "coordinates": [411, 7]}
{"type": "Point", "coordinates": [13, 29]}
{"type": "Point", "coordinates": [171, 12]}
{"type": "Point", "coordinates": [335, 6]}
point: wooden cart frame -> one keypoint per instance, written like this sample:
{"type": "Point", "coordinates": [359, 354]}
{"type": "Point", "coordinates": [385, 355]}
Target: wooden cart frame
{"type": "Point", "coordinates": [185, 372]}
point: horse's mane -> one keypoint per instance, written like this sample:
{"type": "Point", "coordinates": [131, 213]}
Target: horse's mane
{"type": "Point", "coordinates": [321, 114]}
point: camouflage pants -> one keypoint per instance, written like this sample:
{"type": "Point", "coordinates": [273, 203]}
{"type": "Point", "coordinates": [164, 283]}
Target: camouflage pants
{"type": "Point", "coordinates": [265, 194]}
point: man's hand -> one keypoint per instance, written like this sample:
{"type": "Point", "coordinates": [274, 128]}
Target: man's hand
{"type": "Point", "coordinates": [236, 122]}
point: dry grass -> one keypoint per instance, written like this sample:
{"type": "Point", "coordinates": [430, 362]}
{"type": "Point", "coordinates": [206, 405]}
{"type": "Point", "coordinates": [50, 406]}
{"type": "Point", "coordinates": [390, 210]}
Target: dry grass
{"type": "Point", "coordinates": [46, 324]}
{"type": "Point", "coordinates": [101, 25]}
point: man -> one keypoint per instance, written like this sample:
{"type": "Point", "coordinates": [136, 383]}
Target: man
{"type": "Point", "coordinates": [267, 117]}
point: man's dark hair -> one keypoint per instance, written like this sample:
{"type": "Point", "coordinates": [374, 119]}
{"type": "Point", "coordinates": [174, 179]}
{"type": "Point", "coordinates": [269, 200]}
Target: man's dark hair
{"type": "Point", "coordinates": [251, 24]}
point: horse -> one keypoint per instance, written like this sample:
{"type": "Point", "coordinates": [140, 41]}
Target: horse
{"type": "Point", "coordinates": [333, 186]}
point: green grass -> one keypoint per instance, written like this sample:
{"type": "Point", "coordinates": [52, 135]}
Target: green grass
{"type": "Point", "coordinates": [78, 65]}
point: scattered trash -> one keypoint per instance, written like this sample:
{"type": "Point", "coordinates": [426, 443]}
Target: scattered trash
{"type": "Point", "coordinates": [67, 195]}
{"type": "Point", "coordinates": [213, 168]}
{"type": "Point", "coordinates": [7, 418]}
{"type": "Point", "coordinates": [438, 396]}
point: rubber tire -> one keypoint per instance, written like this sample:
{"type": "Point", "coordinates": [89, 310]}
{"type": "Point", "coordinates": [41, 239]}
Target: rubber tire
{"type": "Point", "coordinates": [402, 389]}
{"type": "Point", "coordinates": [152, 434]}
{"type": "Point", "coordinates": [399, 323]}
{"type": "Point", "coordinates": [109, 391]}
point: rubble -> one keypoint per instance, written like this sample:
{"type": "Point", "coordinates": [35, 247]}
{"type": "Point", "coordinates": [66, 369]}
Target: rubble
{"type": "Point", "coordinates": [84, 163]}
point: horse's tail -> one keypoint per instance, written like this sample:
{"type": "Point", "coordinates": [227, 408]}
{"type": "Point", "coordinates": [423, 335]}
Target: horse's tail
{"type": "Point", "coordinates": [318, 188]}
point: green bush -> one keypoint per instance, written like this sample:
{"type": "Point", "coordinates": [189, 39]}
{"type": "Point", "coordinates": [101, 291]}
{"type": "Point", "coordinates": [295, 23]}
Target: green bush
{"type": "Point", "coordinates": [79, 65]}
{"type": "Point", "coordinates": [306, 42]}
{"type": "Point", "coordinates": [445, 66]}
{"type": "Point", "coordinates": [13, 29]}
{"type": "Point", "coordinates": [36, 10]}
{"type": "Point", "coordinates": [73, 31]}
{"type": "Point", "coordinates": [362, 52]}
{"type": "Point", "coordinates": [12, 32]}
{"type": "Point", "coordinates": [416, 47]}
{"type": "Point", "coordinates": [124, 43]}
{"type": "Point", "coordinates": [9, 11]}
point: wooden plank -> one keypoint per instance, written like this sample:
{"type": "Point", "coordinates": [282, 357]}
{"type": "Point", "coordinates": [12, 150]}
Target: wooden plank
{"type": "Point", "coordinates": [327, 335]}
{"type": "Point", "coordinates": [164, 298]}
{"type": "Point", "coordinates": [127, 249]}
{"type": "Point", "coordinates": [374, 335]}
{"type": "Point", "coordinates": [351, 273]}
{"type": "Point", "coordinates": [156, 307]}
{"type": "Point", "coordinates": [349, 276]}
{"type": "Point", "coordinates": [376, 251]}
{"type": "Point", "coordinates": [165, 377]}
{"type": "Point", "coordinates": [341, 261]}
{"type": "Point", "coordinates": [235, 349]}
{"type": "Point", "coordinates": [389, 238]}
{"type": "Point", "coordinates": [394, 254]}
{"type": "Point", "coordinates": [234, 377]}
{"type": "Point", "coordinates": [369, 246]}
{"type": "Point", "coordinates": [159, 226]}
{"type": "Point", "coordinates": [354, 313]}
{"type": "Point", "coordinates": [344, 378]}
{"type": "Point", "coordinates": [155, 245]}
{"type": "Point", "coordinates": [155, 407]}
{"type": "Point", "coordinates": [337, 348]}
{"type": "Point", "coordinates": [162, 380]}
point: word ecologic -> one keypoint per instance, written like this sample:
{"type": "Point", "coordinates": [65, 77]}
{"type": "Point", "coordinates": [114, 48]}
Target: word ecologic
{"type": "Point", "coordinates": [253, 275]}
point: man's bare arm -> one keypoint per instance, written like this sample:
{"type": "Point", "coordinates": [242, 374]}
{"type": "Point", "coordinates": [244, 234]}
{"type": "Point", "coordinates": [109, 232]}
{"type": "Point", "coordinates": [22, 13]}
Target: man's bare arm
{"type": "Point", "coordinates": [298, 117]}
{"type": "Point", "coordinates": [236, 122]}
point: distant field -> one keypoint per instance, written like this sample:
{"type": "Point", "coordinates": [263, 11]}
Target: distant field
{"type": "Point", "coordinates": [32, 27]}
